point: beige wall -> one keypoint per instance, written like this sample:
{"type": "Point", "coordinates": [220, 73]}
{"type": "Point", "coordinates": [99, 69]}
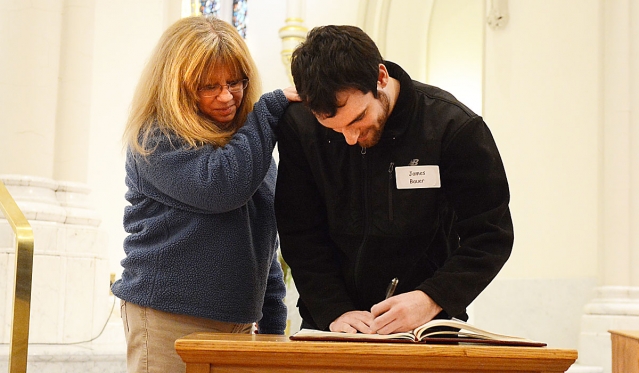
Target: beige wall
{"type": "Point", "coordinates": [542, 101]}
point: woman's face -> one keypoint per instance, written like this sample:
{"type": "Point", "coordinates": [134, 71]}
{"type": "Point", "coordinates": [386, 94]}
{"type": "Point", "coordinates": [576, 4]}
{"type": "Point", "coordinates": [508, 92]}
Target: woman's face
{"type": "Point", "coordinates": [221, 96]}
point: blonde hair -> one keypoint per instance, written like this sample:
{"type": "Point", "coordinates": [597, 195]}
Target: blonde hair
{"type": "Point", "coordinates": [166, 97]}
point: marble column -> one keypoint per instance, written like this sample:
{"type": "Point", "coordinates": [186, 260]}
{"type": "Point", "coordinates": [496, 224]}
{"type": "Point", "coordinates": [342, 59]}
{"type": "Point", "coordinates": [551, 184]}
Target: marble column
{"type": "Point", "coordinates": [29, 67]}
{"type": "Point", "coordinates": [293, 32]}
{"type": "Point", "coordinates": [615, 305]}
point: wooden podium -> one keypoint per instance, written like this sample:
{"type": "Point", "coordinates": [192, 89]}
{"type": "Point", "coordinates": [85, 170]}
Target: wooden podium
{"type": "Point", "coordinates": [226, 353]}
{"type": "Point", "coordinates": [625, 351]}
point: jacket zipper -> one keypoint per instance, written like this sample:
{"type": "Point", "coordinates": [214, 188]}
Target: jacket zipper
{"type": "Point", "coordinates": [366, 218]}
{"type": "Point", "coordinates": [390, 190]}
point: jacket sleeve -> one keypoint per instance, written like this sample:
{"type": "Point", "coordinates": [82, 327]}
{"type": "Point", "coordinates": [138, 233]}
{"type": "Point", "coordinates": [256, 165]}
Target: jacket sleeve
{"type": "Point", "coordinates": [474, 182]}
{"type": "Point", "coordinates": [210, 179]}
{"type": "Point", "coordinates": [303, 229]}
{"type": "Point", "coordinates": [274, 312]}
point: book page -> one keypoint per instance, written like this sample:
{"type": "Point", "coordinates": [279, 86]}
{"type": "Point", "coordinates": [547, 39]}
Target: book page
{"type": "Point", "coordinates": [466, 330]}
{"type": "Point", "coordinates": [320, 334]}
{"type": "Point", "coordinates": [438, 337]}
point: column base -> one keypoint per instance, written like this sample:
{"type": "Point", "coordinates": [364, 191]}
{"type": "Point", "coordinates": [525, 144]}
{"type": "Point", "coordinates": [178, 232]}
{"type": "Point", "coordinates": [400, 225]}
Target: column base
{"type": "Point", "coordinates": [613, 308]}
{"type": "Point", "coordinates": [70, 292]}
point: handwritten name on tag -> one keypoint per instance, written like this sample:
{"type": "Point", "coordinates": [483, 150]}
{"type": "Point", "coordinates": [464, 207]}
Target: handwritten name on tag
{"type": "Point", "coordinates": [414, 177]}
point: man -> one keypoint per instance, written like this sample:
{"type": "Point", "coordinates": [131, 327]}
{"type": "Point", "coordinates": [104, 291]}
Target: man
{"type": "Point", "coordinates": [381, 177]}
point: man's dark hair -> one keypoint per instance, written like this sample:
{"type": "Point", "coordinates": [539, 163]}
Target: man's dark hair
{"type": "Point", "coordinates": [332, 59]}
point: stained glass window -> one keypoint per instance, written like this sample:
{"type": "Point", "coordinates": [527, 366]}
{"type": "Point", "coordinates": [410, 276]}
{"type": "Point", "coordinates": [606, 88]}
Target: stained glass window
{"type": "Point", "coordinates": [231, 11]}
{"type": "Point", "coordinates": [239, 16]}
{"type": "Point", "coordinates": [211, 7]}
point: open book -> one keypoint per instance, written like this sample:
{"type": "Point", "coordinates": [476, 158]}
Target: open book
{"type": "Point", "coordinates": [434, 331]}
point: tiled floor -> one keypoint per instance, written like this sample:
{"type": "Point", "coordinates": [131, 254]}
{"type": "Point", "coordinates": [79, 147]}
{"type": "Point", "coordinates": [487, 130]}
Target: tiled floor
{"type": "Point", "coordinates": [106, 354]}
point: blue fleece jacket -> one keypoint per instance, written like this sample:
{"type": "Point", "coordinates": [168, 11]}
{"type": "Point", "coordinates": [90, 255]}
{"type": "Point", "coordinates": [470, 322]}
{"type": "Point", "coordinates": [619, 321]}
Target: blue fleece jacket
{"type": "Point", "coordinates": [202, 235]}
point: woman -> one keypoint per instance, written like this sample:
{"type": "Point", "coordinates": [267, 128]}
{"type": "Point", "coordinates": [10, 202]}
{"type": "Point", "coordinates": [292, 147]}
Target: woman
{"type": "Point", "coordinates": [201, 250]}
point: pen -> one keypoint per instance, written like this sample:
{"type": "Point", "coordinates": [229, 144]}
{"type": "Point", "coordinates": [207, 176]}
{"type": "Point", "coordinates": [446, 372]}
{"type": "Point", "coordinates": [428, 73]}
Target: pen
{"type": "Point", "coordinates": [391, 288]}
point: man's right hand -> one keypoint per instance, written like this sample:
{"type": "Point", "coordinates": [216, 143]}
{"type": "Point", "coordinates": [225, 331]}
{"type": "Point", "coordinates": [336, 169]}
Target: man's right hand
{"type": "Point", "coordinates": [403, 312]}
{"type": "Point", "coordinates": [352, 322]}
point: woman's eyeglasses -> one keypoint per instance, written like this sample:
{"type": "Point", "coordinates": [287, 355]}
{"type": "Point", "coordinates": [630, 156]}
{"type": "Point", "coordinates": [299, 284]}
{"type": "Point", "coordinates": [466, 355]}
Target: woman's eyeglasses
{"type": "Point", "coordinates": [215, 90]}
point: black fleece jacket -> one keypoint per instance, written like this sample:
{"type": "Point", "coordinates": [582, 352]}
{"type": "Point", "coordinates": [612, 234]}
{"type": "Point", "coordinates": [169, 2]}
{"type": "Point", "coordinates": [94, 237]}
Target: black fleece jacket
{"type": "Point", "coordinates": [346, 229]}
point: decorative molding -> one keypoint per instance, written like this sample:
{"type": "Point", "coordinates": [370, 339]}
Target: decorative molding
{"type": "Point", "coordinates": [74, 198]}
{"type": "Point", "coordinates": [614, 300]}
{"type": "Point", "coordinates": [49, 200]}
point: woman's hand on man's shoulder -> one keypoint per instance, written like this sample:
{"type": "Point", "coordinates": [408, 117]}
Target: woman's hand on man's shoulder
{"type": "Point", "coordinates": [291, 94]}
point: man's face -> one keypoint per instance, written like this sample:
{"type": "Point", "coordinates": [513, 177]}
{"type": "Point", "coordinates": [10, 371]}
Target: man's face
{"type": "Point", "coordinates": [360, 117]}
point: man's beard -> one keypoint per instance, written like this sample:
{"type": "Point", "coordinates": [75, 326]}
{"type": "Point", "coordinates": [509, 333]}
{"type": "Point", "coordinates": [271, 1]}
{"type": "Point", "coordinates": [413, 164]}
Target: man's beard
{"type": "Point", "coordinates": [374, 134]}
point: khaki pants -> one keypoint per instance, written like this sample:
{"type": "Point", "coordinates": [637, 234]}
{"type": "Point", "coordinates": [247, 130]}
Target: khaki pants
{"type": "Point", "coordinates": [151, 334]}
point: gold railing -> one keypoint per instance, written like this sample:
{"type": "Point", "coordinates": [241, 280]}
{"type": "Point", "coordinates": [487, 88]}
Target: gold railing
{"type": "Point", "coordinates": [19, 342]}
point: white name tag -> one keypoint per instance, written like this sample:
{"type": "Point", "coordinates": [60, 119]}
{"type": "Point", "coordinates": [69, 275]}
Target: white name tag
{"type": "Point", "coordinates": [414, 177]}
